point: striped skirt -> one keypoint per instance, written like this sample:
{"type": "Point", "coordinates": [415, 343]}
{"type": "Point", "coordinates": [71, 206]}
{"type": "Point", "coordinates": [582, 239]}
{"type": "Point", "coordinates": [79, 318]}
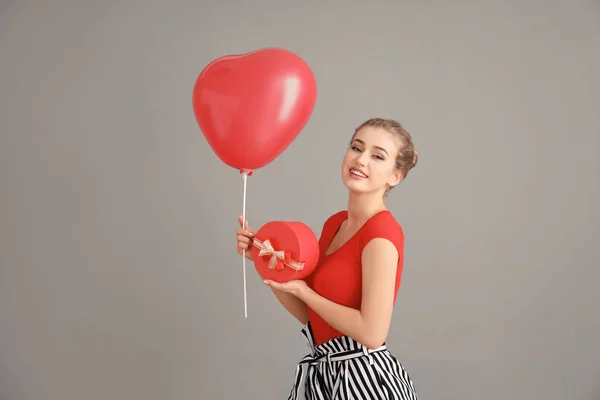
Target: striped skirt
{"type": "Point", "coordinates": [343, 369]}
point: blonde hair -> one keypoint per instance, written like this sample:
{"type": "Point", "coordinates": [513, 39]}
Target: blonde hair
{"type": "Point", "coordinates": [407, 156]}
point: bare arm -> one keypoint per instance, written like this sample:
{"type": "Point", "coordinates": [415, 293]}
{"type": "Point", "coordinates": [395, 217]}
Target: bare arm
{"type": "Point", "coordinates": [293, 304]}
{"type": "Point", "coordinates": [369, 325]}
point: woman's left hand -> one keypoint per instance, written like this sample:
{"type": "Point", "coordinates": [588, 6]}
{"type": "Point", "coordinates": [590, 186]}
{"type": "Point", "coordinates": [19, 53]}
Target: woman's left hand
{"type": "Point", "coordinates": [295, 287]}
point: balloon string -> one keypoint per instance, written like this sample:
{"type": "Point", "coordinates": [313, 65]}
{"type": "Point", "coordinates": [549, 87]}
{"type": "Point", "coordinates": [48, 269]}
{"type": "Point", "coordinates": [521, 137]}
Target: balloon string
{"type": "Point", "coordinates": [245, 176]}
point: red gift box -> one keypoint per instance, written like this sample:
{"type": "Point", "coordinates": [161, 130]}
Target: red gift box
{"type": "Point", "coordinates": [284, 251]}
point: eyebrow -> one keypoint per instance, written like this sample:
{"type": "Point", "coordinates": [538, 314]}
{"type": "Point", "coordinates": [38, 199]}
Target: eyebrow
{"type": "Point", "coordinates": [377, 147]}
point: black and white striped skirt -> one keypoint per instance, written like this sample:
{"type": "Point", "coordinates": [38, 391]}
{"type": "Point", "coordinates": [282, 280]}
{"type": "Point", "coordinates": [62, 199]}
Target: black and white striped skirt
{"type": "Point", "coordinates": [343, 369]}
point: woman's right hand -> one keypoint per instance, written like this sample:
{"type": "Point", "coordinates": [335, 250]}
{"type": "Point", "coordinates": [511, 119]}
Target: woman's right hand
{"type": "Point", "coordinates": [245, 237]}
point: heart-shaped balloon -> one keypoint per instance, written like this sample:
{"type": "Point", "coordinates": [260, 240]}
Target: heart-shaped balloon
{"type": "Point", "coordinates": [251, 107]}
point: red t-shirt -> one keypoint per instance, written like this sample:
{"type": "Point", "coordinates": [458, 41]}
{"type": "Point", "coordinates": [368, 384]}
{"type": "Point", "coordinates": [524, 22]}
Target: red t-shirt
{"type": "Point", "coordinates": [338, 276]}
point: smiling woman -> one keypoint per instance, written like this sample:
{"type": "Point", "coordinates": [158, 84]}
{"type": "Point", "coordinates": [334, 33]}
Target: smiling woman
{"type": "Point", "coordinates": [385, 135]}
{"type": "Point", "coordinates": [346, 304]}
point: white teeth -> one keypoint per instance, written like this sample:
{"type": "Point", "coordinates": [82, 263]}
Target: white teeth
{"type": "Point", "coordinates": [357, 173]}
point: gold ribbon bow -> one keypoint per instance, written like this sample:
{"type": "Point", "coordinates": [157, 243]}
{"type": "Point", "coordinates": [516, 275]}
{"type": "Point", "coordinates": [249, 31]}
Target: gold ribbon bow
{"type": "Point", "coordinates": [279, 258]}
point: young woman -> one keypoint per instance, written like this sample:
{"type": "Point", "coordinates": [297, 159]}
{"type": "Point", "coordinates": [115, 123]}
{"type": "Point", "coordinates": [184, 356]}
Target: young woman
{"type": "Point", "coordinates": [346, 304]}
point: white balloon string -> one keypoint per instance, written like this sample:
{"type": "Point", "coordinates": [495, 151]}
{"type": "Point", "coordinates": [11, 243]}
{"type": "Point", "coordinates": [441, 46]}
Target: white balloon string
{"type": "Point", "coordinates": [245, 176]}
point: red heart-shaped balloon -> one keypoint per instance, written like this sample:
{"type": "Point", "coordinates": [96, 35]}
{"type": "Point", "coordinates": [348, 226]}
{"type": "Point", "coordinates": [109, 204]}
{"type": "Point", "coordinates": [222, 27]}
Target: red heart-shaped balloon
{"type": "Point", "coordinates": [251, 107]}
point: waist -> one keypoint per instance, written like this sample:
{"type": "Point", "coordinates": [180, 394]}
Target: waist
{"type": "Point", "coordinates": [336, 349]}
{"type": "Point", "coordinates": [321, 331]}
{"type": "Point", "coordinates": [331, 366]}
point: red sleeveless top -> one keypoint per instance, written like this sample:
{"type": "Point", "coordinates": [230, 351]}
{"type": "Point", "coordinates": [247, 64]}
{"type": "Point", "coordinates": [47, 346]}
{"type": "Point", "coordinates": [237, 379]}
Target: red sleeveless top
{"type": "Point", "coordinates": [338, 276]}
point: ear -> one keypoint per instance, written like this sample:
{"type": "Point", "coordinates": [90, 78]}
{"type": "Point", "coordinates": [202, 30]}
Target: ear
{"type": "Point", "coordinates": [395, 178]}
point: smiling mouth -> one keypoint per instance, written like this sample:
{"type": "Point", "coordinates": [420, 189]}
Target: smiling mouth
{"type": "Point", "coordinates": [358, 173]}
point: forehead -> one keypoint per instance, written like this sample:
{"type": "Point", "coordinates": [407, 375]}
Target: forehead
{"type": "Point", "coordinates": [377, 137]}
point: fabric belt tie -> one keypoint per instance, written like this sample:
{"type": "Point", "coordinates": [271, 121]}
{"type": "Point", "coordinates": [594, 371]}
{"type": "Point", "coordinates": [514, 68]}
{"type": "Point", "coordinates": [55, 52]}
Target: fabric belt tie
{"type": "Point", "coordinates": [304, 367]}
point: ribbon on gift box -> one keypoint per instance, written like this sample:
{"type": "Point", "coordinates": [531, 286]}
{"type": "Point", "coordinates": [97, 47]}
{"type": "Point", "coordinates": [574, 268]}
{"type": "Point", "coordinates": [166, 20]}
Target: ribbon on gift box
{"type": "Point", "coordinates": [279, 258]}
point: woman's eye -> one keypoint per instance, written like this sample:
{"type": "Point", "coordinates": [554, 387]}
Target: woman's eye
{"type": "Point", "coordinates": [379, 157]}
{"type": "Point", "coordinates": [355, 148]}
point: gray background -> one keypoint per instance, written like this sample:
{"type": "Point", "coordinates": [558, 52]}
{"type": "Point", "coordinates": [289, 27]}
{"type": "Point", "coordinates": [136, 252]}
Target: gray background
{"type": "Point", "coordinates": [119, 277]}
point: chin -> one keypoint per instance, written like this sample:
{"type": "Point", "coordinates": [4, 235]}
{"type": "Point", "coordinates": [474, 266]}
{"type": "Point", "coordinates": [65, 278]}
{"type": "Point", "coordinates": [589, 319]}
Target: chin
{"type": "Point", "coordinates": [355, 186]}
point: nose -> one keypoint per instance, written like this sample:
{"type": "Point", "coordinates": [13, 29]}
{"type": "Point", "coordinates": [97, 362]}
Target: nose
{"type": "Point", "coordinates": [363, 158]}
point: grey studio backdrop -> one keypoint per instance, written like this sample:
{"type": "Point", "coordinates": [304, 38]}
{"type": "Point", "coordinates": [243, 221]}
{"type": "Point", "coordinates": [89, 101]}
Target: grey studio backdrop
{"type": "Point", "coordinates": [119, 277]}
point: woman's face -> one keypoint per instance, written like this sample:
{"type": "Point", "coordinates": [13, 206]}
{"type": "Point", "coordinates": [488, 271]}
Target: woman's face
{"type": "Point", "coordinates": [369, 164]}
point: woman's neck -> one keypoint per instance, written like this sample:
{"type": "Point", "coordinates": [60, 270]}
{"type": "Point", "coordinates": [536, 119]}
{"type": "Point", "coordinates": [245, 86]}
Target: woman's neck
{"type": "Point", "coordinates": [362, 207]}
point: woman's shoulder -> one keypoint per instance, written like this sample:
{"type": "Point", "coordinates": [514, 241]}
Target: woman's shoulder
{"type": "Point", "coordinates": [383, 225]}
{"type": "Point", "coordinates": [334, 220]}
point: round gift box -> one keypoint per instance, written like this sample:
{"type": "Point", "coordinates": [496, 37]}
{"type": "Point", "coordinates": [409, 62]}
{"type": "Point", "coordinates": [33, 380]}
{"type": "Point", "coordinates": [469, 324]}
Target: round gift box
{"type": "Point", "coordinates": [285, 245]}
